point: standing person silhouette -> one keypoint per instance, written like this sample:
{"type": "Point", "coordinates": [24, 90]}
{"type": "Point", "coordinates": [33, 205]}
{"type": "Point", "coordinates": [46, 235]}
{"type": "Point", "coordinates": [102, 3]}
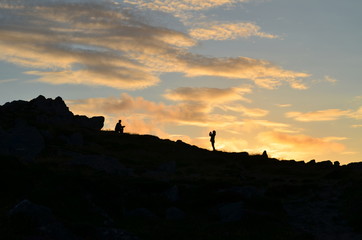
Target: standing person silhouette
{"type": "Point", "coordinates": [119, 128]}
{"type": "Point", "coordinates": [212, 139]}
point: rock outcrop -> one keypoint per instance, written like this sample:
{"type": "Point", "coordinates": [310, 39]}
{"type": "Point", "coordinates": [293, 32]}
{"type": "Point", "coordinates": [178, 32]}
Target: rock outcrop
{"type": "Point", "coordinates": [25, 126]}
{"type": "Point", "coordinates": [45, 112]}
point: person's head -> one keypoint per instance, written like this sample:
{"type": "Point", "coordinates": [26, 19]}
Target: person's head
{"type": "Point", "coordinates": [214, 132]}
{"type": "Point", "coordinates": [119, 121]}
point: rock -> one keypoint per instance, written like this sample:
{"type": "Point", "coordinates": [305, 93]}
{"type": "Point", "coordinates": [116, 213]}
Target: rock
{"type": "Point", "coordinates": [168, 167]}
{"type": "Point", "coordinates": [22, 141]}
{"type": "Point", "coordinates": [114, 234]}
{"type": "Point", "coordinates": [50, 106]}
{"type": "Point", "coordinates": [41, 214]}
{"type": "Point", "coordinates": [174, 213]}
{"type": "Point", "coordinates": [4, 149]}
{"type": "Point", "coordinates": [46, 112]}
{"type": "Point", "coordinates": [246, 192]}
{"type": "Point", "coordinates": [94, 123]}
{"type": "Point", "coordinates": [325, 164]}
{"type": "Point", "coordinates": [102, 163]}
{"type": "Point", "coordinates": [75, 139]}
{"type": "Point", "coordinates": [231, 212]}
{"type": "Point", "coordinates": [311, 162]}
{"type": "Point", "coordinates": [42, 220]}
{"type": "Point", "coordinates": [141, 213]}
{"type": "Point", "coordinates": [172, 194]}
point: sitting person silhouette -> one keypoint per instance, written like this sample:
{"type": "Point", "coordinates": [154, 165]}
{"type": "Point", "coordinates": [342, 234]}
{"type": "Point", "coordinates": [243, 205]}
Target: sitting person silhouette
{"type": "Point", "coordinates": [119, 128]}
{"type": "Point", "coordinates": [212, 139]}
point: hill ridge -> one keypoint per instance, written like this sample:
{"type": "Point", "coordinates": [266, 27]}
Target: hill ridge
{"type": "Point", "coordinates": [64, 178]}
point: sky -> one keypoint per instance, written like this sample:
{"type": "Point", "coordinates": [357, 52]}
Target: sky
{"type": "Point", "coordinates": [277, 75]}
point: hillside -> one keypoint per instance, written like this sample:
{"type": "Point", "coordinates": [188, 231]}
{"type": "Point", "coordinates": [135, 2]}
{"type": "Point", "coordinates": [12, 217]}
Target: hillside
{"type": "Point", "coordinates": [64, 178]}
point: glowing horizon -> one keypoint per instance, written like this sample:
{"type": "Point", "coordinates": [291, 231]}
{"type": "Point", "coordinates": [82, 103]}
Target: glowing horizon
{"type": "Point", "coordinates": [269, 75]}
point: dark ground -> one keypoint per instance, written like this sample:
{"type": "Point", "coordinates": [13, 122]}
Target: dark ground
{"type": "Point", "coordinates": [63, 178]}
{"type": "Point", "coordinates": [140, 187]}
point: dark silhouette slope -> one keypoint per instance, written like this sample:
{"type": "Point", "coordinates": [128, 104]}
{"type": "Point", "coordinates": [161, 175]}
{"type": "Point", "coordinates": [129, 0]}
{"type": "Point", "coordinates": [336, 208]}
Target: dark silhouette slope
{"type": "Point", "coordinates": [68, 180]}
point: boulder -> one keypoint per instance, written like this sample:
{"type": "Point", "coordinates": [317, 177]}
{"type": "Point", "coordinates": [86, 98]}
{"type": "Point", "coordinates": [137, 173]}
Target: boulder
{"type": "Point", "coordinates": [46, 112]}
{"type": "Point", "coordinates": [94, 123]}
{"type": "Point", "coordinates": [231, 212]}
{"type": "Point", "coordinates": [246, 192]}
{"type": "Point", "coordinates": [325, 164]}
{"type": "Point", "coordinates": [174, 213]}
{"type": "Point", "coordinates": [23, 141]}
{"type": "Point", "coordinates": [172, 194]}
{"type": "Point", "coordinates": [41, 218]}
{"type": "Point", "coordinates": [167, 167]}
{"type": "Point", "coordinates": [75, 139]}
{"type": "Point", "coordinates": [311, 162]}
{"type": "Point", "coordinates": [114, 234]}
{"type": "Point", "coordinates": [143, 213]}
{"type": "Point", "coordinates": [102, 163]}
{"type": "Point", "coordinates": [50, 106]}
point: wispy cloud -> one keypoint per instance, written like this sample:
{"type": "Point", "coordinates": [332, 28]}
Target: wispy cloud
{"type": "Point", "coordinates": [8, 80]}
{"type": "Point", "coordinates": [285, 105]}
{"type": "Point", "coordinates": [302, 143]}
{"type": "Point", "coordinates": [182, 5]}
{"type": "Point", "coordinates": [208, 95]}
{"type": "Point", "coordinates": [322, 115]}
{"type": "Point", "coordinates": [330, 79]}
{"type": "Point", "coordinates": [102, 43]}
{"type": "Point", "coordinates": [245, 111]}
{"type": "Point", "coordinates": [326, 79]}
{"type": "Point", "coordinates": [255, 125]}
{"type": "Point", "coordinates": [226, 99]}
{"type": "Point", "coordinates": [228, 31]}
{"type": "Point", "coordinates": [261, 72]}
{"type": "Point", "coordinates": [325, 115]}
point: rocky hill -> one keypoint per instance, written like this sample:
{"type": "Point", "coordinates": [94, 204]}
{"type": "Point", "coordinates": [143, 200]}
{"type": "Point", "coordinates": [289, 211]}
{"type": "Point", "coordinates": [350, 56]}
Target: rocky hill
{"type": "Point", "coordinates": [64, 178]}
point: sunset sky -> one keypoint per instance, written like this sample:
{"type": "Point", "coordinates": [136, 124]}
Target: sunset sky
{"type": "Point", "coordinates": [276, 75]}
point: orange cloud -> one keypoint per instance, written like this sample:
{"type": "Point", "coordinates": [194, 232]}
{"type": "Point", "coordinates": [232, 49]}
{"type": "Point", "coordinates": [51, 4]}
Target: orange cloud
{"type": "Point", "coordinates": [301, 143]}
{"type": "Point", "coordinates": [322, 115]}
{"type": "Point", "coordinates": [248, 112]}
{"type": "Point", "coordinates": [284, 105]}
{"type": "Point", "coordinates": [209, 95]}
{"type": "Point", "coordinates": [182, 5]}
{"type": "Point", "coordinates": [263, 73]}
{"type": "Point", "coordinates": [120, 78]}
{"type": "Point", "coordinates": [258, 124]}
{"type": "Point", "coordinates": [225, 31]}
{"type": "Point", "coordinates": [330, 79]}
{"type": "Point", "coordinates": [357, 114]}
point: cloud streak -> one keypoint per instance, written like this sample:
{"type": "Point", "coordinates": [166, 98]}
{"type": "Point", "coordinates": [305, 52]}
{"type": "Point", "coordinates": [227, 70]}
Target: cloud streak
{"type": "Point", "coordinates": [172, 6]}
{"type": "Point", "coordinates": [302, 143]}
{"type": "Point", "coordinates": [208, 95]}
{"type": "Point", "coordinates": [325, 115]}
{"type": "Point", "coordinates": [228, 31]}
{"type": "Point", "coordinates": [322, 115]}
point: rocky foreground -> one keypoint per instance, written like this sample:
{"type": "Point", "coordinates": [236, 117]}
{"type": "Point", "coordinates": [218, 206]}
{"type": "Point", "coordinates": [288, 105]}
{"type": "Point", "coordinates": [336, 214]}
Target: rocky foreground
{"type": "Point", "coordinates": [64, 178]}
